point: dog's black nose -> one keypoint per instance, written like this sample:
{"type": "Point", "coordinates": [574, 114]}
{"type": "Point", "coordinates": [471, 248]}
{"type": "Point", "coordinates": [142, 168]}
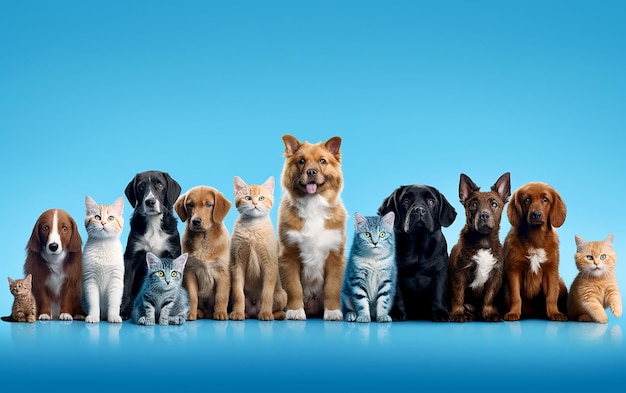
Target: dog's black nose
{"type": "Point", "coordinates": [53, 247]}
{"type": "Point", "coordinates": [484, 216]}
{"type": "Point", "coordinates": [421, 210]}
{"type": "Point", "coordinates": [196, 222]}
{"type": "Point", "coordinates": [536, 215]}
{"type": "Point", "coordinates": [150, 202]}
{"type": "Point", "coordinates": [311, 172]}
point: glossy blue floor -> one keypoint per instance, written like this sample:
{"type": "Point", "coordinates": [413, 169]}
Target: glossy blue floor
{"type": "Point", "coordinates": [313, 355]}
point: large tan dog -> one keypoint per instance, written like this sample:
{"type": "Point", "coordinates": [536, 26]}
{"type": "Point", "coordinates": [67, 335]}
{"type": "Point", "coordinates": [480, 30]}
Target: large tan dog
{"type": "Point", "coordinates": [206, 240]}
{"type": "Point", "coordinates": [531, 254]}
{"type": "Point", "coordinates": [312, 229]}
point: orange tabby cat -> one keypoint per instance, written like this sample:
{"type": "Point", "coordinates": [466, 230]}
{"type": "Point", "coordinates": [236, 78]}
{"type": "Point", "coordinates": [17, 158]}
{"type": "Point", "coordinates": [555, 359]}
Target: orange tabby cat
{"type": "Point", "coordinates": [595, 287]}
{"type": "Point", "coordinates": [24, 306]}
{"type": "Point", "coordinates": [256, 288]}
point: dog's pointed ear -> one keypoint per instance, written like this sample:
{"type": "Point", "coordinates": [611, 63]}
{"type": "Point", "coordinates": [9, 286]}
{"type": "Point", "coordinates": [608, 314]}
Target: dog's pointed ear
{"type": "Point", "coordinates": [447, 213]}
{"type": "Point", "coordinates": [333, 145]}
{"type": "Point", "coordinates": [558, 210]}
{"type": "Point", "coordinates": [221, 207]}
{"type": "Point", "coordinates": [173, 189]}
{"type": "Point", "coordinates": [466, 188]}
{"type": "Point", "coordinates": [130, 192]}
{"type": "Point", "coordinates": [291, 144]}
{"type": "Point", "coordinates": [180, 207]}
{"type": "Point", "coordinates": [514, 211]}
{"type": "Point", "coordinates": [502, 187]}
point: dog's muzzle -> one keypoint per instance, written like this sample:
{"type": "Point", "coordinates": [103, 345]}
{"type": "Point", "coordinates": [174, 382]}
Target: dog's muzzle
{"type": "Point", "coordinates": [414, 215]}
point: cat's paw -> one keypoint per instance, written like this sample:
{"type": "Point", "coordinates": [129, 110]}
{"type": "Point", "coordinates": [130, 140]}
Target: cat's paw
{"type": "Point", "coordinates": [31, 318]}
{"type": "Point", "coordinates": [177, 320]}
{"type": "Point", "coordinates": [363, 318]}
{"type": "Point", "coordinates": [115, 319]}
{"type": "Point", "coordinates": [383, 318]}
{"type": "Point", "coordinates": [298, 315]}
{"type": "Point", "coordinates": [92, 319]}
{"type": "Point", "coordinates": [44, 317]}
{"type": "Point", "coordinates": [65, 317]}
{"type": "Point", "coordinates": [237, 316]}
{"type": "Point", "coordinates": [616, 309]}
{"type": "Point", "coordinates": [333, 315]}
{"type": "Point", "coordinates": [350, 316]}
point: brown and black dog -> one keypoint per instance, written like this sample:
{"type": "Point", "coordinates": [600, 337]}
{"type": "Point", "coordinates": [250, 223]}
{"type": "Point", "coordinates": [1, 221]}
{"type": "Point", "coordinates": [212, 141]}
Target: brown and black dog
{"type": "Point", "coordinates": [476, 261]}
{"type": "Point", "coordinates": [531, 254]}
{"type": "Point", "coordinates": [205, 238]}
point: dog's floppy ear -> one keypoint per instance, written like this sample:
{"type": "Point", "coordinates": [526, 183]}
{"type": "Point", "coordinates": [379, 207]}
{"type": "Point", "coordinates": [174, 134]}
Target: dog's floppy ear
{"type": "Point", "coordinates": [221, 207]}
{"type": "Point", "coordinates": [34, 243]}
{"type": "Point", "coordinates": [558, 210]}
{"type": "Point", "coordinates": [130, 192]}
{"type": "Point", "coordinates": [180, 207]}
{"type": "Point", "coordinates": [447, 213]}
{"type": "Point", "coordinates": [291, 144]}
{"type": "Point", "coordinates": [173, 189]}
{"type": "Point", "coordinates": [76, 242]}
{"type": "Point", "coordinates": [514, 210]}
{"type": "Point", "coordinates": [502, 187]}
{"type": "Point", "coordinates": [466, 188]}
{"type": "Point", "coordinates": [390, 205]}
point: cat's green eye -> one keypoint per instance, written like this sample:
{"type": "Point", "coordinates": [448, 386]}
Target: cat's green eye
{"type": "Point", "coordinates": [174, 274]}
{"type": "Point", "coordinates": [602, 257]}
{"type": "Point", "coordinates": [382, 234]}
{"type": "Point", "coordinates": [111, 218]}
{"type": "Point", "coordinates": [97, 217]}
{"type": "Point", "coordinates": [161, 273]}
{"type": "Point", "coordinates": [367, 234]}
{"type": "Point", "coordinates": [590, 257]}
{"type": "Point", "coordinates": [248, 198]}
{"type": "Point", "coordinates": [261, 198]}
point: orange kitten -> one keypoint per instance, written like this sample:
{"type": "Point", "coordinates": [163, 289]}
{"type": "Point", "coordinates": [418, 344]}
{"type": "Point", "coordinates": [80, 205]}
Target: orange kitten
{"type": "Point", "coordinates": [595, 287]}
{"type": "Point", "coordinates": [256, 288]}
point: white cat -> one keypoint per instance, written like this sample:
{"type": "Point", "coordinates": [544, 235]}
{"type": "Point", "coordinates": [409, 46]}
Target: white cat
{"type": "Point", "coordinates": [103, 261]}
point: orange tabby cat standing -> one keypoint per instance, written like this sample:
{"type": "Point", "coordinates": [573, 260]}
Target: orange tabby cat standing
{"type": "Point", "coordinates": [312, 229]}
{"type": "Point", "coordinates": [256, 288]}
{"type": "Point", "coordinates": [595, 287]}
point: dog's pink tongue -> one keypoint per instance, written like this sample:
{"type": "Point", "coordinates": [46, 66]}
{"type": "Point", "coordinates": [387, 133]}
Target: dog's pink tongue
{"type": "Point", "coordinates": [311, 188]}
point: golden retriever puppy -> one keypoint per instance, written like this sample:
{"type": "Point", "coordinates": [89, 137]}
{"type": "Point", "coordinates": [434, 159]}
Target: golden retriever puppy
{"type": "Point", "coordinates": [312, 229]}
{"type": "Point", "coordinates": [531, 254]}
{"type": "Point", "coordinates": [205, 238]}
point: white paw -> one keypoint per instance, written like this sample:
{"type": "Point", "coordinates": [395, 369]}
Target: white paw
{"type": "Point", "coordinates": [333, 315]}
{"type": "Point", "coordinates": [350, 316]}
{"type": "Point", "coordinates": [298, 315]}
{"type": "Point", "coordinates": [65, 317]}
{"type": "Point", "coordinates": [92, 319]}
{"type": "Point", "coordinates": [363, 318]}
{"type": "Point", "coordinates": [115, 319]}
{"type": "Point", "coordinates": [384, 318]}
{"type": "Point", "coordinates": [44, 317]}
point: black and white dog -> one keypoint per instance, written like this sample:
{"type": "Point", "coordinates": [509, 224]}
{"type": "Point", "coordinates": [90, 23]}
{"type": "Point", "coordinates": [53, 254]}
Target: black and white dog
{"type": "Point", "coordinates": [153, 227]}
{"type": "Point", "coordinates": [421, 251]}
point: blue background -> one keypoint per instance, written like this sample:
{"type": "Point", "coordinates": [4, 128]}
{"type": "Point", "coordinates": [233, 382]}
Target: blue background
{"type": "Point", "coordinates": [93, 92]}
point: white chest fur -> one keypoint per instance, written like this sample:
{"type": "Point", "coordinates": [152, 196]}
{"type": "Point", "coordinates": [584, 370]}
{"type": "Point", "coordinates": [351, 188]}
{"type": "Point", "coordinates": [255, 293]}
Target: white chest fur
{"type": "Point", "coordinates": [484, 265]}
{"type": "Point", "coordinates": [314, 240]}
{"type": "Point", "coordinates": [536, 256]}
{"type": "Point", "coordinates": [155, 239]}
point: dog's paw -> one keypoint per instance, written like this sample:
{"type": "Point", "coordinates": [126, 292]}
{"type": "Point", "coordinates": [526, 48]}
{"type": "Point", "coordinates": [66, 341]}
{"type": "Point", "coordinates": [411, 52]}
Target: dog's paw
{"type": "Point", "coordinates": [65, 317]}
{"type": "Point", "coordinates": [279, 315]}
{"type": "Point", "coordinates": [220, 316]}
{"type": "Point", "coordinates": [512, 316]}
{"type": "Point", "coordinates": [92, 319]}
{"type": "Point", "coordinates": [236, 316]}
{"type": "Point", "coordinates": [363, 318]}
{"type": "Point", "coordinates": [558, 317]}
{"type": "Point", "coordinates": [265, 316]}
{"type": "Point", "coordinates": [495, 317]}
{"type": "Point", "coordinates": [440, 316]}
{"type": "Point", "coordinates": [297, 315]}
{"type": "Point", "coordinates": [44, 317]}
{"type": "Point", "coordinates": [383, 318]}
{"type": "Point", "coordinates": [460, 317]}
{"type": "Point", "coordinates": [114, 319]}
{"type": "Point", "coordinates": [333, 315]}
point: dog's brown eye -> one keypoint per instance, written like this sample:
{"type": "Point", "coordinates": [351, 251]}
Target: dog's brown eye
{"type": "Point", "coordinates": [405, 202]}
{"type": "Point", "coordinates": [45, 228]}
{"type": "Point", "coordinates": [545, 200]}
{"type": "Point", "coordinates": [302, 161]}
{"type": "Point", "coordinates": [208, 204]}
{"type": "Point", "coordinates": [494, 204]}
{"type": "Point", "coordinates": [159, 186]}
{"type": "Point", "coordinates": [323, 161]}
{"type": "Point", "coordinates": [527, 201]}
{"type": "Point", "coordinates": [431, 202]}
{"type": "Point", "coordinates": [97, 217]}
{"type": "Point", "coordinates": [64, 228]}
{"type": "Point", "coordinates": [190, 206]}
{"type": "Point", "coordinates": [141, 186]}
{"type": "Point", "coordinates": [474, 204]}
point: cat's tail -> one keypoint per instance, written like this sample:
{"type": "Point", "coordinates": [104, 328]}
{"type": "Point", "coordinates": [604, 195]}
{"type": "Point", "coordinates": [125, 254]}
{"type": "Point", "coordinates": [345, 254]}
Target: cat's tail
{"type": "Point", "coordinates": [8, 318]}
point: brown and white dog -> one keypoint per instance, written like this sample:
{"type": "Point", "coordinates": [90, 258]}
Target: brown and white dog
{"type": "Point", "coordinates": [54, 258]}
{"type": "Point", "coordinates": [206, 240]}
{"type": "Point", "coordinates": [312, 229]}
{"type": "Point", "coordinates": [476, 260]}
{"type": "Point", "coordinates": [531, 254]}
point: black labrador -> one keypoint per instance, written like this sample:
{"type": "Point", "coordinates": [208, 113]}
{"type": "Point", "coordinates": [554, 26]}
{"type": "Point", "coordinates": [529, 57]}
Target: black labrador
{"type": "Point", "coordinates": [421, 251]}
{"type": "Point", "coordinates": [153, 227]}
